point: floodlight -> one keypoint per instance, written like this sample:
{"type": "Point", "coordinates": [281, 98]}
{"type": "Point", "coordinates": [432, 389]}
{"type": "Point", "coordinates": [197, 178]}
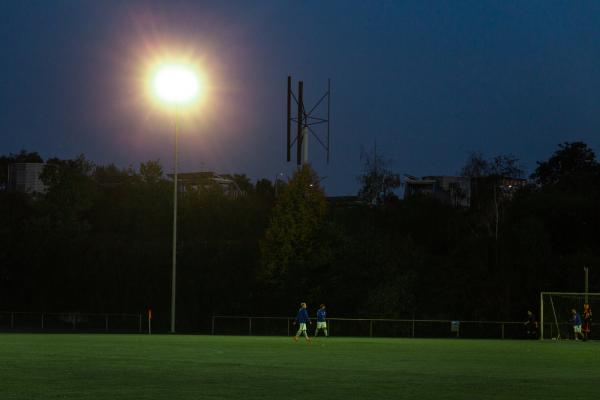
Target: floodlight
{"type": "Point", "coordinates": [176, 84]}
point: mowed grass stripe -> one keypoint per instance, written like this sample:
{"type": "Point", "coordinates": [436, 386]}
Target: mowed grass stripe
{"type": "Point", "coordinates": [71, 366]}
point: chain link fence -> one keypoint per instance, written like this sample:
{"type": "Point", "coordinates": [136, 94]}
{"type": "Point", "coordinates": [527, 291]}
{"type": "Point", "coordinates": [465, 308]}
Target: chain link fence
{"type": "Point", "coordinates": [364, 327]}
{"type": "Point", "coordinates": [70, 322]}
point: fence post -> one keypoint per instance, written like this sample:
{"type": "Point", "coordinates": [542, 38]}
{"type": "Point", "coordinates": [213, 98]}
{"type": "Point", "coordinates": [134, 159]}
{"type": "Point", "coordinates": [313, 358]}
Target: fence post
{"type": "Point", "coordinates": [503, 330]}
{"type": "Point", "coordinates": [249, 326]}
{"type": "Point", "coordinates": [212, 326]}
{"type": "Point", "coordinates": [542, 317]}
{"type": "Point", "coordinates": [42, 321]}
{"type": "Point", "coordinates": [288, 326]}
{"type": "Point", "coordinates": [413, 328]}
{"type": "Point", "coordinates": [371, 328]}
{"type": "Point", "coordinates": [12, 320]}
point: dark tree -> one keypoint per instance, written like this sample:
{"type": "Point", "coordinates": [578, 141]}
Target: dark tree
{"type": "Point", "coordinates": [292, 246]}
{"type": "Point", "coordinates": [573, 167]}
{"type": "Point", "coordinates": [151, 171]}
{"type": "Point", "coordinates": [378, 181]}
{"type": "Point", "coordinates": [477, 166]}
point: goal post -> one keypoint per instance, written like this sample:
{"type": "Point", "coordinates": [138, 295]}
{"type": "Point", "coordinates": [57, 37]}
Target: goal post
{"type": "Point", "coordinates": [555, 311]}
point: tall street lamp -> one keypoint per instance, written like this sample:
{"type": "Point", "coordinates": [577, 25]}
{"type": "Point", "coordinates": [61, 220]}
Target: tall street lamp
{"type": "Point", "coordinates": [176, 85]}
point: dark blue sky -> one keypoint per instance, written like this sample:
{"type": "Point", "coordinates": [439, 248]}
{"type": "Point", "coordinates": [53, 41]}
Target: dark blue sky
{"type": "Point", "coordinates": [429, 81]}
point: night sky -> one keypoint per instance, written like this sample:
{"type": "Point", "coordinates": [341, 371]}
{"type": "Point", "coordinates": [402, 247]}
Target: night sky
{"type": "Point", "coordinates": [428, 81]}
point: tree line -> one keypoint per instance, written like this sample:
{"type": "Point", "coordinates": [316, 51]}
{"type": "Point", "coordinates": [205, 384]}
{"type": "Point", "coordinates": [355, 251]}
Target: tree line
{"type": "Point", "coordinates": [99, 240]}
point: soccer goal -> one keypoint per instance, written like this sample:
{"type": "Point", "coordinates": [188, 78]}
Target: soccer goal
{"type": "Point", "coordinates": [555, 312]}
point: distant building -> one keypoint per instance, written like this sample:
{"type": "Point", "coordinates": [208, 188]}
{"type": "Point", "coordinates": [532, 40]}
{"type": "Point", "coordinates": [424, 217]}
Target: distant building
{"type": "Point", "coordinates": [25, 177]}
{"type": "Point", "coordinates": [484, 189]}
{"type": "Point", "coordinates": [459, 191]}
{"type": "Point", "coordinates": [451, 190]}
{"type": "Point", "coordinates": [206, 181]}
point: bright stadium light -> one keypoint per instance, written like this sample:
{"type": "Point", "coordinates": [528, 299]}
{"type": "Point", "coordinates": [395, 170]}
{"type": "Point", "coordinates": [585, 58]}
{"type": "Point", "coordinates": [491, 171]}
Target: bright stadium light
{"type": "Point", "coordinates": [176, 84]}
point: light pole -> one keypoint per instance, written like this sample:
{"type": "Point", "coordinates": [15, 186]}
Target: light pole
{"type": "Point", "coordinates": [174, 251]}
{"type": "Point", "coordinates": [176, 85]}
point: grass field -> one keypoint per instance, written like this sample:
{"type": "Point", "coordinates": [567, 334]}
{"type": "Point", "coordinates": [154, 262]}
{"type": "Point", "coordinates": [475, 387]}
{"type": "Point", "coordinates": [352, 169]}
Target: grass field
{"type": "Point", "coordinates": [69, 366]}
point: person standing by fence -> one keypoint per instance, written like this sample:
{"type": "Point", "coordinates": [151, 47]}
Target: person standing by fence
{"type": "Point", "coordinates": [302, 319]}
{"type": "Point", "coordinates": [531, 325]}
{"type": "Point", "coordinates": [321, 320]}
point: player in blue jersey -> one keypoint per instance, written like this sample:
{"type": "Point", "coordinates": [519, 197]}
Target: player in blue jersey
{"type": "Point", "coordinates": [532, 326]}
{"type": "Point", "coordinates": [302, 319]}
{"type": "Point", "coordinates": [321, 320]}
{"type": "Point", "coordinates": [575, 320]}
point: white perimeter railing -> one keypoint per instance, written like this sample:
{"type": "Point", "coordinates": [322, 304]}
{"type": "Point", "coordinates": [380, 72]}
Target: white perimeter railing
{"type": "Point", "coordinates": [70, 321]}
{"type": "Point", "coordinates": [371, 327]}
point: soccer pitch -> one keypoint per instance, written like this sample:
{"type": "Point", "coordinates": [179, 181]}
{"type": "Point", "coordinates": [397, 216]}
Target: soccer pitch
{"type": "Point", "coordinates": [88, 366]}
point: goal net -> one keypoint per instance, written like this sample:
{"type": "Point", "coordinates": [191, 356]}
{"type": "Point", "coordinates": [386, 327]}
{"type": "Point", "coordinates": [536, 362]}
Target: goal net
{"type": "Point", "coordinates": [555, 312]}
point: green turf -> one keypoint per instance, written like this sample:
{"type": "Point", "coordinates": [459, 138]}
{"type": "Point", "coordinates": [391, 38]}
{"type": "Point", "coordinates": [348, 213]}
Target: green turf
{"type": "Point", "coordinates": [44, 366]}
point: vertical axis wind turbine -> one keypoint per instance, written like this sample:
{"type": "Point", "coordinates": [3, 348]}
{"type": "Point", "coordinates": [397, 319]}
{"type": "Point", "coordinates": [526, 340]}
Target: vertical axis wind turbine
{"type": "Point", "coordinates": [305, 121]}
